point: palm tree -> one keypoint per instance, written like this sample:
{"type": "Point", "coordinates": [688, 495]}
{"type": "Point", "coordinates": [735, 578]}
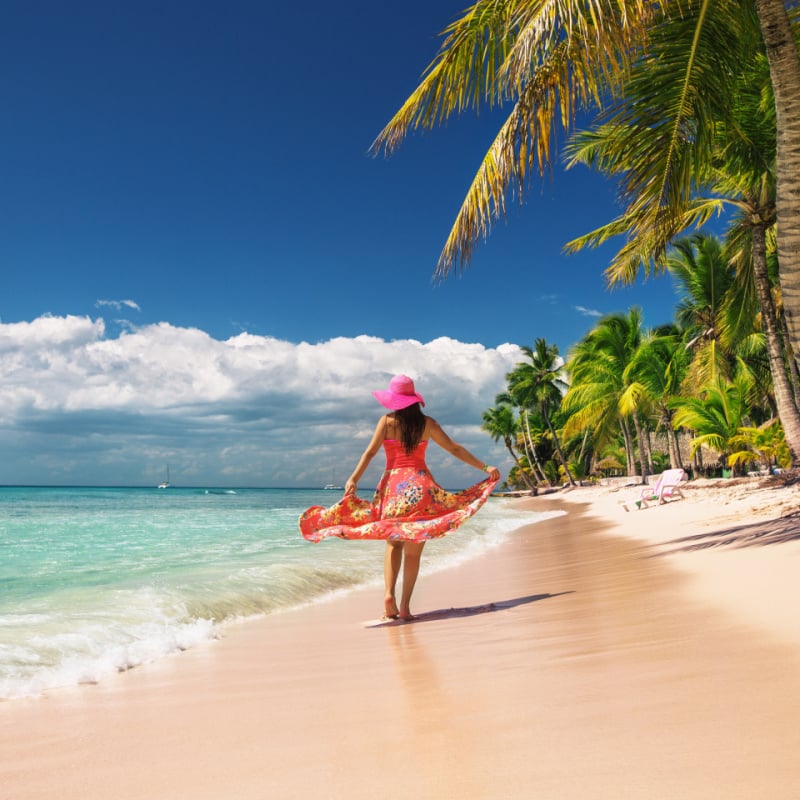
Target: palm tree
{"type": "Point", "coordinates": [741, 174]}
{"type": "Point", "coordinates": [531, 436]}
{"type": "Point", "coordinates": [597, 367]}
{"type": "Point", "coordinates": [701, 271]}
{"type": "Point", "coordinates": [718, 315]}
{"type": "Point", "coordinates": [534, 436]}
{"type": "Point", "coordinates": [657, 370]}
{"type": "Point", "coordinates": [765, 443]}
{"type": "Point", "coordinates": [499, 422]}
{"type": "Point", "coordinates": [744, 174]}
{"type": "Point", "coordinates": [552, 59]}
{"type": "Point", "coordinates": [537, 383]}
{"type": "Point", "coordinates": [715, 417]}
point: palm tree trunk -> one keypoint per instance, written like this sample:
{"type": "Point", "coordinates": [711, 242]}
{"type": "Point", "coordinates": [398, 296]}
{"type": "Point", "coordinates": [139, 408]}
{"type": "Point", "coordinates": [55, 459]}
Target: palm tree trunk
{"type": "Point", "coordinates": [787, 410]}
{"type": "Point", "coordinates": [648, 446]}
{"type": "Point", "coordinates": [558, 447]}
{"type": "Point", "coordinates": [791, 360]}
{"type": "Point", "coordinates": [675, 460]}
{"type": "Point", "coordinates": [533, 461]}
{"type": "Point", "coordinates": [630, 456]}
{"type": "Point", "coordinates": [519, 467]}
{"type": "Point", "coordinates": [542, 473]}
{"type": "Point", "coordinates": [584, 457]}
{"type": "Point", "coordinates": [784, 67]}
{"type": "Point", "coordinates": [637, 424]}
{"type": "Point", "coordinates": [526, 446]}
{"type": "Point", "coordinates": [697, 460]}
{"type": "Point", "coordinates": [583, 445]}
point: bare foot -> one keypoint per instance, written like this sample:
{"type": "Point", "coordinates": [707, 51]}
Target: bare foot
{"type": "Point", "coordinates": [390, 608]}
{"type": "Point", "coordinates": [406, 615]}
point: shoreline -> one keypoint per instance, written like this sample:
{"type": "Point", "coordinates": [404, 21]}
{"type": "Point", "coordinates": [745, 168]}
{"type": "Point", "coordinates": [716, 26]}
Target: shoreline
{"type": "Point", "coordinates": [582, 658]}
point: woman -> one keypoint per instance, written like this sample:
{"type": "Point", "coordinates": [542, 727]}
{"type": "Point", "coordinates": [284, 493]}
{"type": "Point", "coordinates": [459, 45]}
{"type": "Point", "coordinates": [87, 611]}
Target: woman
{"type": "Point", "coordinates": [409, 507]}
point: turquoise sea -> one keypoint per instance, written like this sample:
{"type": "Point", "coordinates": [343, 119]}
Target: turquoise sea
{"type": "Point", "coordinates": [96, 580]}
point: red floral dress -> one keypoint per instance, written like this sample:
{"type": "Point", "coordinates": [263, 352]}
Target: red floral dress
{"type": "Point", "coordinates": [408, 504]}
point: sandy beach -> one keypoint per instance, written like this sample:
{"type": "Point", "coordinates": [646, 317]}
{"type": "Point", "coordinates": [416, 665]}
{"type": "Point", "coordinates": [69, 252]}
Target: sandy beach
{"type": "Point", "coordinates": [600, 654]}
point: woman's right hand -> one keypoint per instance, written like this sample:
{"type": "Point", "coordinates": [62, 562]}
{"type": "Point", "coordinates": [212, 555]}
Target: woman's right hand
{"type": "Point", "coordinates": [494, 473]}
{"type": "Point", "coordinates": [350, 487]}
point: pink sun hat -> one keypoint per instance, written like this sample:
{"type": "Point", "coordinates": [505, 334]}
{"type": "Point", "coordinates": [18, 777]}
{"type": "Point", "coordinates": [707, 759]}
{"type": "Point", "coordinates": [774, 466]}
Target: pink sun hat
{"type": "Point", "coordinates": [400, 394]}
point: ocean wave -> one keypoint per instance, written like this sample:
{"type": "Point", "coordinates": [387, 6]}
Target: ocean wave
{"type": "Point", "coordinates": [94, 635]}
{"type": "Point", "coordinates": [87, 656]}
{"type": "Point", "coordinates": [262, 590]}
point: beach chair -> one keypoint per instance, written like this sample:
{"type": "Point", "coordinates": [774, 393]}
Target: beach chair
{"type": "Point", "coordinates": [666, 488]}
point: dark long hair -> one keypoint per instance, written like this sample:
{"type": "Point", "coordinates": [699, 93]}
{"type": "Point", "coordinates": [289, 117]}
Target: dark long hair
{"type": "Point", "coordinates": [412, 425]}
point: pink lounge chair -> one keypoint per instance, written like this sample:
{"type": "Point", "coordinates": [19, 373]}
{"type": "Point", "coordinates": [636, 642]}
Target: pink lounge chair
{"type": "Point", "coordinates": [665, 488]}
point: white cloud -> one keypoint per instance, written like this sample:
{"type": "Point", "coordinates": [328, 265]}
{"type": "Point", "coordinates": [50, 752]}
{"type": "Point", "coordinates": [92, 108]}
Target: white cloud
{"type": "Point", "coordinates": [118, 304]}
{"type": "Point", "coordinates": [588, 312]}
{"type": "Point", "coordinates": [80, 406]}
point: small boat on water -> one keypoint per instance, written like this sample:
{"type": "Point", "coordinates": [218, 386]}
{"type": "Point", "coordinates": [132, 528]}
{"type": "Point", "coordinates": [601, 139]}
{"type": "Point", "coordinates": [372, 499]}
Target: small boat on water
{"type": "Point", "coordinates": [165, 483]}
{"type": "Point", "coordinates": [332, 486]}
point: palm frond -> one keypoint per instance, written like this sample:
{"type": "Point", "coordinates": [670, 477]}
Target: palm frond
{"type": "Point", "coordinates": [661, 140]}
{"type": "Point", "coordinates": [462, 75]}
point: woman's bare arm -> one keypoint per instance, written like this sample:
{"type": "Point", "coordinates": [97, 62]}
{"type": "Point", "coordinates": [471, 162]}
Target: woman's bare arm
{"type": "Point", "coordinates": [372, 449]}
{"type": "Point", "coordinates": [434, 431]}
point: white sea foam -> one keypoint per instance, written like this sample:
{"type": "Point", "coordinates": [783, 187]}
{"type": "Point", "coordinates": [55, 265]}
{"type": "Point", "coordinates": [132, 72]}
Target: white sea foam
{"type": "Point", "coordinates": [89, 657]}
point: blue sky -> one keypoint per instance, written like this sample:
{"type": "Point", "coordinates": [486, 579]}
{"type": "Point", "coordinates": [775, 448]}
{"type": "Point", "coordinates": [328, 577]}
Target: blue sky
{"type": "Point", "coordinates": [200, 168]}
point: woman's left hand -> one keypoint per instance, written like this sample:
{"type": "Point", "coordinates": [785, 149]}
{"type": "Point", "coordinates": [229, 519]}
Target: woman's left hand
{"type": "Point", "coordinates": [350, 487]}
{"type": "Point", "coordinates": [494, 473]}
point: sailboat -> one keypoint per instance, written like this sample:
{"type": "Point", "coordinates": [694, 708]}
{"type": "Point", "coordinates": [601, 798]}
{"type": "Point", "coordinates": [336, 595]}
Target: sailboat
{"type": "Point", "coordinates": [332, 484]}
{"type": "Point", "coordinates": [165, 483]}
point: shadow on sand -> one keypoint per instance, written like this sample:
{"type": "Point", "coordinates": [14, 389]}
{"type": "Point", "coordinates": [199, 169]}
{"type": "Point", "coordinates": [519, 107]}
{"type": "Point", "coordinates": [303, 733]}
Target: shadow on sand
{"type": "Point", "coordinates": [468, 611]}
{"type": "Point", "coordinates": [773, 531]}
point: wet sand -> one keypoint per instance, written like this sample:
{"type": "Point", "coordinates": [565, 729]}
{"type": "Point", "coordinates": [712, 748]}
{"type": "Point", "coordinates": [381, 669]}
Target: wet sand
{"type": "Point", "coordinates": [591, 656]}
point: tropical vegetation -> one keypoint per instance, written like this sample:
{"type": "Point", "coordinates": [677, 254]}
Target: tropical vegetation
{"type": "Point", "coordinates": [694, 111]}
{"type": "Point", "coordinates": [696, 393]}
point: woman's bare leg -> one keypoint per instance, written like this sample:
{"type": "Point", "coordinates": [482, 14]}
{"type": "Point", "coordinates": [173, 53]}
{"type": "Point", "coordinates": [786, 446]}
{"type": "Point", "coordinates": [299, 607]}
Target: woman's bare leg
{"type": "Point", "coordinates": [412, 553]}
{"type": "Point", "coordinates": [391, 569]}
